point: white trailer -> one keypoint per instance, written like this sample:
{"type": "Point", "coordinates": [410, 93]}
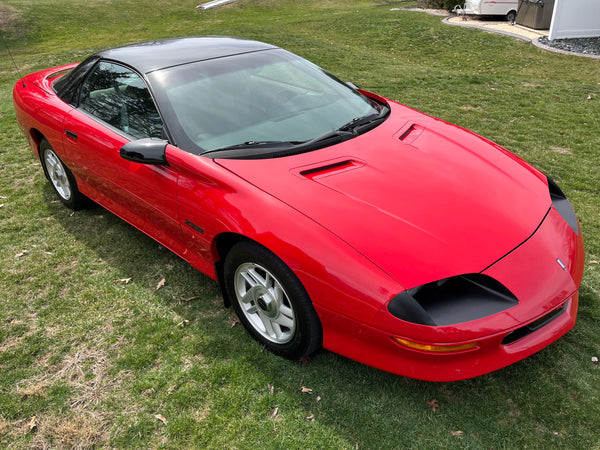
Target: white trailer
{"type": "Point", "coordinates": [506, 8]}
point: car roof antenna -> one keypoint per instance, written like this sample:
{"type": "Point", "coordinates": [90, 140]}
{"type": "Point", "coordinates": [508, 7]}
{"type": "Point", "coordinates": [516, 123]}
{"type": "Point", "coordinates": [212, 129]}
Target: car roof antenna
{"type": "Point", "coordinates": [13, 61]}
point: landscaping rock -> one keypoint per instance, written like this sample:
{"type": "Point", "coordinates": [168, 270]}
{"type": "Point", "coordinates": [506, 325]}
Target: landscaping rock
{"type": "Point", "coordinates": [587, 46]}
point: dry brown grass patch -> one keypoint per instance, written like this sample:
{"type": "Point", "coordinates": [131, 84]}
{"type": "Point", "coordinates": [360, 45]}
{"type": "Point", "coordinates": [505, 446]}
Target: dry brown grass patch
{"type": "Point", "coordinates": [78, 431]}
{"type": "Point", "coordinates": [11, 342]}
{"type": "Point", "coordinates": [16, 428]}
{"type": "Point", "coordinates": [471, 108]}
{"type": "Point", "coordinates": [34, 390]}
{"type": "Point", "coordinates": [85, 372]}
{"type": "Point", "coordinates": [4, 426]}
{"type": "Point", "coordinates": [201, 414]}
{"type": "Point", "coordinates": [84, 426]}
{"type": "Point", "coordinates": [9, 17]}
{"type": "Point", "coordinates": [562, 150]}
{"type": "Point", "coordinates": [30, 321]}
{"type": "Point", "coordinates": [93, 389]}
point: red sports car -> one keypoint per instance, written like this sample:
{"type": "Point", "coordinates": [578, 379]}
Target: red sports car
{"type": "Point", "coordinates": [330, 216]}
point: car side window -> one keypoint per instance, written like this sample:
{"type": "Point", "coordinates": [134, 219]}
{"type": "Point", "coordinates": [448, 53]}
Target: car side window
{"type": "Point", "coordinates": [119, 97]}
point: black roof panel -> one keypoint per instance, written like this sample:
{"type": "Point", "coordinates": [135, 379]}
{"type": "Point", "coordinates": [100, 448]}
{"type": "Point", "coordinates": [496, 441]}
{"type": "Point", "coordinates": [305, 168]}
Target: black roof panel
{"type": "Point", "coordinates": [153, 55]}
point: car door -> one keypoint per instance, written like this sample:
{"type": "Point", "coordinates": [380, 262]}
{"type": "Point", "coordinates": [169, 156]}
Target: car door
{"type": "Point", "coordinates": [114, 108]}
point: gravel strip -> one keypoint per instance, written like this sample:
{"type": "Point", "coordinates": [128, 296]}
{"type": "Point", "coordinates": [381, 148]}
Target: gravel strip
{"type": "Point", "coordinates": [586, 46]}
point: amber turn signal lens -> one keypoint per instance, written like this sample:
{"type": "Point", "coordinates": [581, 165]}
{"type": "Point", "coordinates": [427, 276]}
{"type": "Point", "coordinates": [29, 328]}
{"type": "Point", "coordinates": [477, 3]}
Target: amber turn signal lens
{"type": "Point", "coordinates": [436, 348]}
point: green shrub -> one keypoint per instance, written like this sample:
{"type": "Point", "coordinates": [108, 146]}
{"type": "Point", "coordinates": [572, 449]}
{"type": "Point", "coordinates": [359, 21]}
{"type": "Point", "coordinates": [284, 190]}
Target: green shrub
{"type": "Point", "coordinates": [439, 4]}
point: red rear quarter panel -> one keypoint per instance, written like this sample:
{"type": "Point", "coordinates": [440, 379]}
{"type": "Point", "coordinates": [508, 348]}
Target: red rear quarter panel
{"type": "Point", "coordinates": [38, 108]}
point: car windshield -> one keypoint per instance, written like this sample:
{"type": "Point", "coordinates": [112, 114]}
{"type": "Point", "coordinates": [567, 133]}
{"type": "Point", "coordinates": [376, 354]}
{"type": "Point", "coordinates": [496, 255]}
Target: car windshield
{"type": "Point", "coordinates": [267, 100]}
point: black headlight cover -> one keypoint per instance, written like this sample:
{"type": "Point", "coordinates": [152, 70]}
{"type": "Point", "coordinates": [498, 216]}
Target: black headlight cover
{"type": "Point", "coordinates": [562, 205]}
{"type": "Point", "coordinates": [453, 300]}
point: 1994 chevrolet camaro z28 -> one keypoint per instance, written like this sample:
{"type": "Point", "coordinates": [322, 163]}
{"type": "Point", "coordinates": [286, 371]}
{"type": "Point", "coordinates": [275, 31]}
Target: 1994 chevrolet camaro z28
{"type": "Point", "coordinates": [331, 217]}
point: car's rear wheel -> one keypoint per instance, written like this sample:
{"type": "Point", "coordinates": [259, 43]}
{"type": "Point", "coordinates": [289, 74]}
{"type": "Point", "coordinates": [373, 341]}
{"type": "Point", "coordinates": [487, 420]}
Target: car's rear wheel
{"type": "Point", "coordinates": [511, 16]}
{"type": "Point", "coordinates": [271, 302]}
{"type": "Point", "coordinates": [60, 177]}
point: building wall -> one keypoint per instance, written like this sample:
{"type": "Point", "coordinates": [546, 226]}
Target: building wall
{"type": "Point", "coordinates": [575, 18]}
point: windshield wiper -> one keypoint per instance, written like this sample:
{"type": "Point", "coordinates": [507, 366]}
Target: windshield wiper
{"type": "Point", "coordinates": [285, 146]}
{"type": "Point", "coordinates": [330, 134]}
{"type": "Point", "coordinates": [255, 144]}
{"type": "Point", "coordinates": [358, 122]}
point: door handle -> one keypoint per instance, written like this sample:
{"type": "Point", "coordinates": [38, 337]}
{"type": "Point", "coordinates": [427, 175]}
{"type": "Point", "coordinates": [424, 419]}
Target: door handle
{"type": "Point", "coordinates": [71, 135]}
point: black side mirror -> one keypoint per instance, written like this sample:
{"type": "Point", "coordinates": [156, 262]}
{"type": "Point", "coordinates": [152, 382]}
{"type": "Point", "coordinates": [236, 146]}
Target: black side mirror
{"type": "Point", "coordinates": [146, 151]}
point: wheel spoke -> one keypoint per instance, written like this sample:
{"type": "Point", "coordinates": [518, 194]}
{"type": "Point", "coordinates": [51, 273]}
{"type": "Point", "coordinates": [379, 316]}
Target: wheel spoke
{"type": "Point", "coordinates": [51, 160]}
{"type": "Point", "coordinates": [278, 293]}
{"type": "Point", "coordinates": [277, 330]}
{"type": "Point", "coordinates": [247, 297]}
{"type": "Point", "coordinates": [270, 282]}
{"type": "Point", "coordinates": [284, 321]}
{"type": "Point", "coordinates": [286, 311]}
{"type": "Point", "coordinates": [268, 325]}
{"type": "Point", "coordinates": [250, 277]}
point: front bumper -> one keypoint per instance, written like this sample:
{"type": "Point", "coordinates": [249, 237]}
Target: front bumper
{"type": "Point", "coordinates": [544, 288]}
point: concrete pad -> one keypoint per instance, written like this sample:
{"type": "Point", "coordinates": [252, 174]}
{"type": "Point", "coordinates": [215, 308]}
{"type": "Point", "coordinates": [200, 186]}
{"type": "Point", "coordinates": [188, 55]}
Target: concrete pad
{"type": "Point", "coordinates": [502, 27]}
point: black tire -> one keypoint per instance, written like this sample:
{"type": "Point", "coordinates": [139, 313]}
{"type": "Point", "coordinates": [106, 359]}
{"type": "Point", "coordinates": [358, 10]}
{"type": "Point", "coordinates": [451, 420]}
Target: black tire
{"type": "Point", "coordinates": [511, 16]}
{"type": "Point", "coordinates": [277, 312]}
{"type": "Point", "coordinates": [60, 177]}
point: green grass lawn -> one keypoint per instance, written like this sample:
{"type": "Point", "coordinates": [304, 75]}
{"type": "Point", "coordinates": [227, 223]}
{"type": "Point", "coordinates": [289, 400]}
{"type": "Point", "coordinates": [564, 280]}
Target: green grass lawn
{"type": "Point", "coordinates": [88, 360]}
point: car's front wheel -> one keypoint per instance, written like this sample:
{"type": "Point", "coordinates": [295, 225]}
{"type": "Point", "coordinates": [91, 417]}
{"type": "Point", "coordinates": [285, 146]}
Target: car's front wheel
{"type": "Point", "coordinates": [60, 177]}
{"type": "Point", "coordinates": [271, 302]}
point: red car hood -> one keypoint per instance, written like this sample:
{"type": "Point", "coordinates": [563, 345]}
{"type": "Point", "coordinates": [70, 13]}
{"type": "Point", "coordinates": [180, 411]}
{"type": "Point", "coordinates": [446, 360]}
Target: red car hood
{"type": "Point", "coordinates": [420, 198]}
